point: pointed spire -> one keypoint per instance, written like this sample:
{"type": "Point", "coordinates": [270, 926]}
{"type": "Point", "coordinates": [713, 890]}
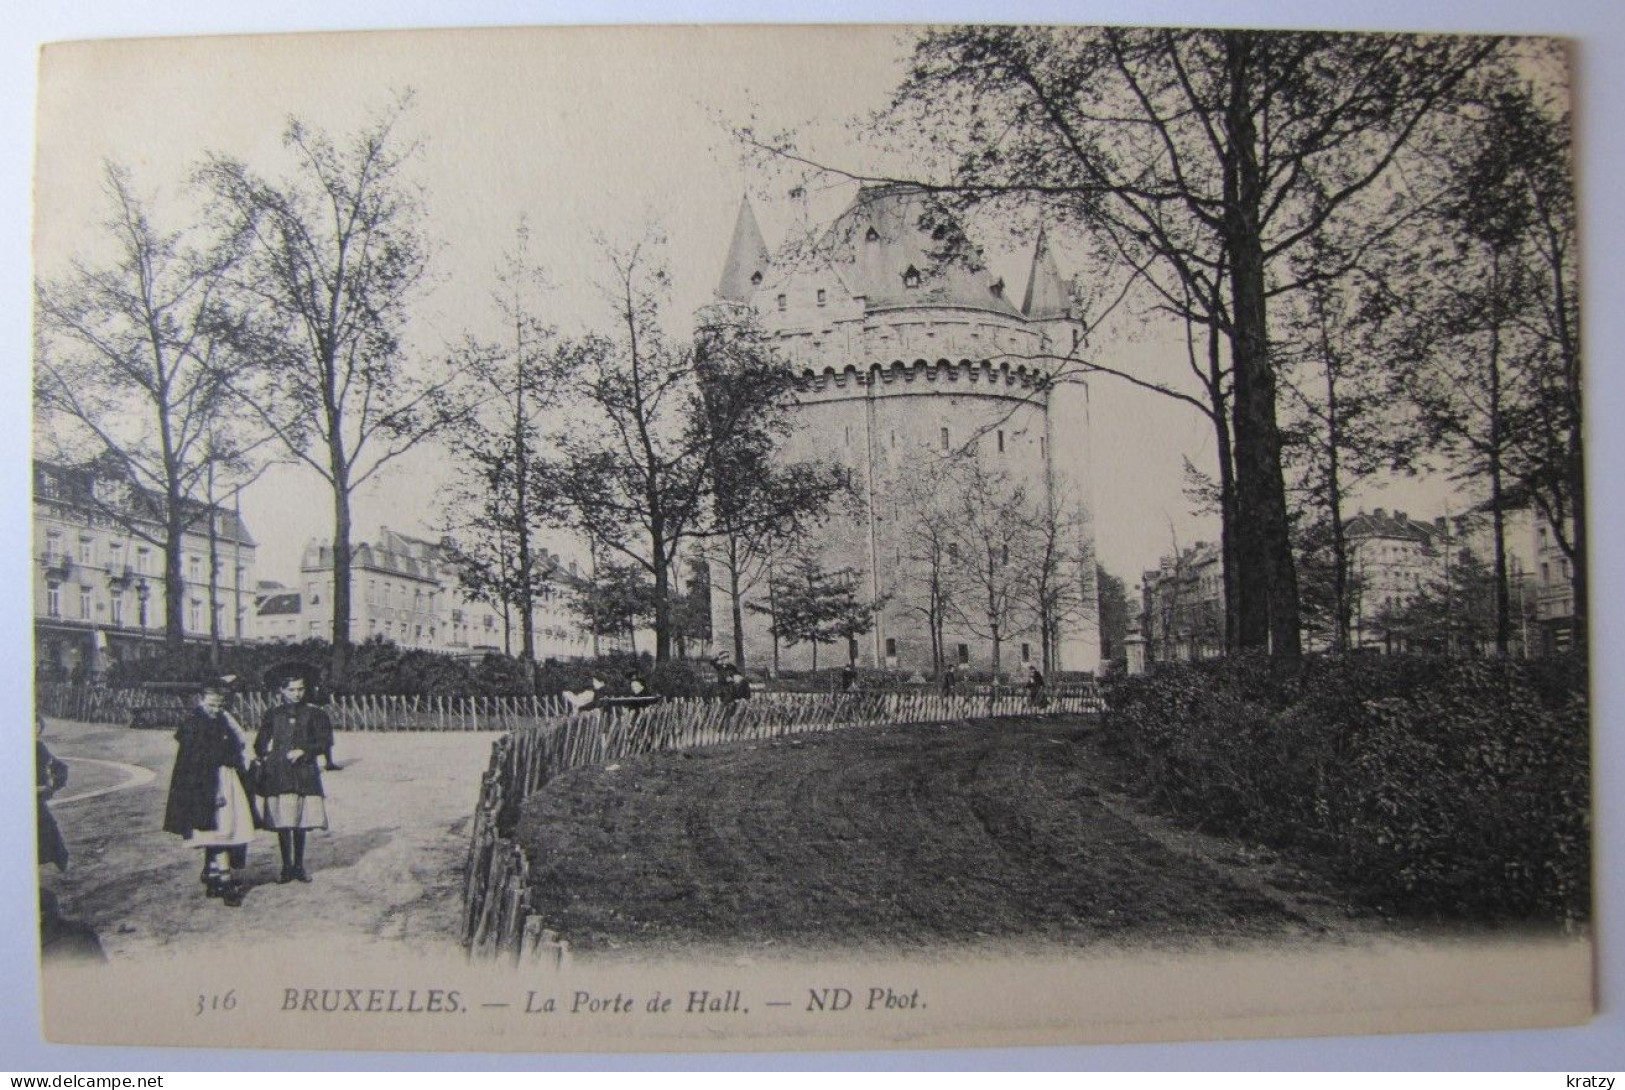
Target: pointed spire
{"type": "Point", "coordinates": [747, 259]}
{"type": "Point", "coordinates": [1046, 296]}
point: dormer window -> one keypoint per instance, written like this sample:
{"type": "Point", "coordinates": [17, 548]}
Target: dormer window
{"type": "Point", "coordinates": [872, 236]}
{"type": "Point", "coordinates": [756, 279]}
{"type": "Point", "coordinates": [783, 302]}
{"type": "Point", "coordinates": [822, 299]}
{"type": "Point", "coordinates": [998, 286]}
{"type": "Point", "coordinates": [911, 277]}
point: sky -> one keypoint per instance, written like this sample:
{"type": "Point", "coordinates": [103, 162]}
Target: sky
{"type": "Point", "coordinates": [588, 135]}
{"type": "Point", "coordinates": [1599, 30]}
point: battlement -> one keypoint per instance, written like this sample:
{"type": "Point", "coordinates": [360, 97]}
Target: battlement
{"type": "Point", "coordinates": [957, 376]}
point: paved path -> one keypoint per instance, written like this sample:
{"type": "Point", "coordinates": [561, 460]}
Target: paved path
{"type": "Point", "coordinates": [388, 870]}
{"type": "Point", "coordinates": [134, 776]}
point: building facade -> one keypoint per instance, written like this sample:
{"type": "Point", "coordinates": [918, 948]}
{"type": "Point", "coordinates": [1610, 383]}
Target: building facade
{"type": "Point", "coordinates": [1552, 580]}
{"type": "Point", "coordinates": [918, 372]}
{"type": "Point", "coordinates": [402, 589]}
{"type": "Point", "coordinates": [1443, 565]}
{"type": "Point", "coordinates": [98, 576]}
{"type": "Point", "coordinates": [1182, 605]}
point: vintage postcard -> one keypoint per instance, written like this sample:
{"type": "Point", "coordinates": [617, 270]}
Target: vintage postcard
{"type": "Point", "coordinates": [750, 538]}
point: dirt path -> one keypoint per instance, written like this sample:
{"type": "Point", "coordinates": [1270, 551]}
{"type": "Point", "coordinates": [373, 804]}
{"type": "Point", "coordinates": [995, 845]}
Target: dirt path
{"type": "Point", "coordinates": [389, 869]}
{"type": "Point", "coordinates": [911, 837]}
{"type": "Point", "coordinates": [898, 837]}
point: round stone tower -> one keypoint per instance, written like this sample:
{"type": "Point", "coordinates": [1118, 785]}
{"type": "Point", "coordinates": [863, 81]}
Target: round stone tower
{"type": "Point", "coordinates": [919, 372]}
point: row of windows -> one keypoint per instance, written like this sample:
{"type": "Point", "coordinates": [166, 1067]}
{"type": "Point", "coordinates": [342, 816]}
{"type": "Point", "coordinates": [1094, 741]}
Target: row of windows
{"type": "Point", "coordinates": [117, 615]}
{"type": "Point", "coordinates": [784, 300]}
{"type": "Point", "coordinates": [945, 440]}
{"type": "Point", "coordinates": [141, 560]}
{"type": "Point", "coordinates": [961, 651]}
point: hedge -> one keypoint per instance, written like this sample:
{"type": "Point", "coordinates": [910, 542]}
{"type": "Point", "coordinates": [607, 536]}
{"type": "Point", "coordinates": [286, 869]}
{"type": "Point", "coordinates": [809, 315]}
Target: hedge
{"type": "Point", "coordinates": [379, 667]}
{"type": "Point", "coordinates": [1450, 789]}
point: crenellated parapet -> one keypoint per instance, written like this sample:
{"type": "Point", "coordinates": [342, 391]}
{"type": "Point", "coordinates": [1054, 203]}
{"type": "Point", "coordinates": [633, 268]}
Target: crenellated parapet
{"type": "Point", "coordinates": [962, 376]}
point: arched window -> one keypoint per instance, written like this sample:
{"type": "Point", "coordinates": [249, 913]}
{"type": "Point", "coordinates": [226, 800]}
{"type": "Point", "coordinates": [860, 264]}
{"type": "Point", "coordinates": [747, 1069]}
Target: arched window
{"type": "Point", "coordinates": [911, 277]}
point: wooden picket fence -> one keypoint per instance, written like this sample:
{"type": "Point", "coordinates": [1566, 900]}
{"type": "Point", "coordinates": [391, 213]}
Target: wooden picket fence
{"type": "Point", "coordinates": [362, 712]}
{"type": "Point", "coordinates": [497, 919]}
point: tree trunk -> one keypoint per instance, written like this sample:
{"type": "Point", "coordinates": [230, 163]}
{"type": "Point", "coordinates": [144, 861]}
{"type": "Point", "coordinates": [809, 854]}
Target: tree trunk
{"type": "Point", "coordinates": [1227, 483]}
{"type": "Point", "coordinates": [527, 602]}
{"type": "Point", "coordinates": [662, 600]}
{"type": "Point", "coordinates": [1579, 580]}
{"type": "Point", "coordinates": [1268, 616]}
{"type": "Point", "coordinates": [341, 579]}
{"type": "Point", "coordinates": [1334, 501]}
{"type": "Point", "coordinates": [174, 583]}
{"type": "Point", "coordinates": [735, 606]}
{"type": "Point", "coordinates": [214, 577]}
{"type": "Point", "coordinates": [1503, 618]}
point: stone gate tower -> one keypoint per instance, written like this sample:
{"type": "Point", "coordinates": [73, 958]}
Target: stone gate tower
{"type": "Point", "coordinates": [912, 359]}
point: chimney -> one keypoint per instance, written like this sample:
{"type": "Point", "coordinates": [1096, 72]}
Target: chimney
{"type": "Point", "coordinates": [1439, 524]}
{"type": "Point", "coordinates": [1399, 516]}
{"type": "Point", "coordinates": [1378, 512]}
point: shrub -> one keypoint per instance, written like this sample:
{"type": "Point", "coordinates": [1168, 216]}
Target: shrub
{"type": "Point", "coordinates": [377, 666]}
{"type": "Point", "coordinates": [1443, 787]}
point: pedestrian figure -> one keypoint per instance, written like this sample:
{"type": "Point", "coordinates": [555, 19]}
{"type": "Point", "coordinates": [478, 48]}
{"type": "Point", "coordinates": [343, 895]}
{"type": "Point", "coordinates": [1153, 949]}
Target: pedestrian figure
{"type": "Point", "coordinates": [587, 699]}
{"type": "Point", "coordinates": [208, 804]}
{"type": "Point", "coordinates": [61, 938]}
{"type": "Point", "coordinates": [50, 776]}
{"type": "Point", "coordinates": [849, 678]}
{"type": "Point", "coordinates": [1037, 695]}
{"type": "Point", "coordinates": [289, 778]}
{"type": "Point", "coordinates": [950, 680]}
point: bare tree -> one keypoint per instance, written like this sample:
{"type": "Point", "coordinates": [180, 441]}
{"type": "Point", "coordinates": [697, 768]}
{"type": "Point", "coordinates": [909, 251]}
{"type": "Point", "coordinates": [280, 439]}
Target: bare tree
{"type": "Point", "coordinates": [1214, 157]}
{"type": "Point", "coordinates": [926, 585]}
{"type": "Point", "coordinates": [496, 503]}
{"type": "Point", "coordinates": [334, 255]}
{"type": "Point", "coordinates": [1055, 581]}
{"type": "Point", "coordinates": [760, 501]}
{"type": "Point", "coordinates": [992, 527]}
{"type": "Point", "coordinates": [677, 446]}
{"type": "Point", "coordinates": [132, 366]}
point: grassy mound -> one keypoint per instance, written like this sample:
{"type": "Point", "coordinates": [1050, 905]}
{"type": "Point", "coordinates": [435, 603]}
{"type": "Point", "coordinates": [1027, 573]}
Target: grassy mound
{"type": "Point", "coordinates": [920, 835]}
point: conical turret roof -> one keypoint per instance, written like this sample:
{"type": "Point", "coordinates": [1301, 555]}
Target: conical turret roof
{"type": "Point", "coordinates": [747, 258]}
{"type": "Point", "coordinates": [1047, 295]}
{"type": "Point", "coordinates": [897, 245]}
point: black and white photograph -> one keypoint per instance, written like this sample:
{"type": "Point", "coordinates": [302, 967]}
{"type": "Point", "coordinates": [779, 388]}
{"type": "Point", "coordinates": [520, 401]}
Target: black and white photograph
{"type": "Point", "coordinates": [673, 538]}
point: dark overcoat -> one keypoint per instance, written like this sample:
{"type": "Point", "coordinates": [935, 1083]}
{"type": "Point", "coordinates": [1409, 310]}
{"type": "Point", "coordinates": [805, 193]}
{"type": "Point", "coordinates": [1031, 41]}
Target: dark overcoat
{"type": "Point", "coordinates": [288, 727]}
{"type": "Point", "coordinates": [207, 744]}
{"type": "Point", "coordinates": [49, 774]}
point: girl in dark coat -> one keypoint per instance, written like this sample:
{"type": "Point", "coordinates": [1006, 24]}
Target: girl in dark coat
{"type": "Point", "coordinates": [290, 779]}
{"type": "Point", "coordinates": [50, 775]}
{"type": "Point", "coordinates": [208, 805]}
